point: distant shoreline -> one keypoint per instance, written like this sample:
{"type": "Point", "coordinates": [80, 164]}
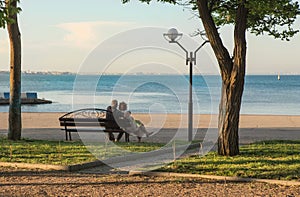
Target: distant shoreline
{"type": "Point", "coordinates": [135, 74]}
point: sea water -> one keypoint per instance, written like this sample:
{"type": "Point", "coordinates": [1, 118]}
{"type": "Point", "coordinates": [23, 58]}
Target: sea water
{"type": "Point", "coordinates": [263, 94]}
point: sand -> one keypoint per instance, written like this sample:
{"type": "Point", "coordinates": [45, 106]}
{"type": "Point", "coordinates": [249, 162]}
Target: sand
{"type": "Point", "coordinates": [50, 120]}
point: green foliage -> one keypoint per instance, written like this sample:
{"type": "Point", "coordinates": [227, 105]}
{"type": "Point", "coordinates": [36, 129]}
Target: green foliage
{"type": "Point", "coordinates": [6, 11]}
{"type": "Point", "coordinates": [3, 14]}
{"type": "Point", "coordinates": [272, 17]}
{"type": "Point", "coordinates": [270, 159]}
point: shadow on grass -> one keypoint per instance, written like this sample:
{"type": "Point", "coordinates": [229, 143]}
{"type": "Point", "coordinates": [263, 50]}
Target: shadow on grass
{"type": "Point", "coordinates": [269, 159]}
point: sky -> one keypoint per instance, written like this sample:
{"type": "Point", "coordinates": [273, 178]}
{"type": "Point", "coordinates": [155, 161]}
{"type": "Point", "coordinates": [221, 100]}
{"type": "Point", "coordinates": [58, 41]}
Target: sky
{"type": "Point", "coordinates": [61, 35]}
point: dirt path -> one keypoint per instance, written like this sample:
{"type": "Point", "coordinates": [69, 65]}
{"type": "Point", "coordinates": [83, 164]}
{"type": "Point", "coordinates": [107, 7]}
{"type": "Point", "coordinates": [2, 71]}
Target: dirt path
{"type": "Point", "coordinates": [22, 183]}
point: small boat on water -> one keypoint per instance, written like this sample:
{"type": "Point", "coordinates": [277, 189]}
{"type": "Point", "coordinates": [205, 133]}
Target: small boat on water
{"type": "Point", "coordinates": [29, 98]}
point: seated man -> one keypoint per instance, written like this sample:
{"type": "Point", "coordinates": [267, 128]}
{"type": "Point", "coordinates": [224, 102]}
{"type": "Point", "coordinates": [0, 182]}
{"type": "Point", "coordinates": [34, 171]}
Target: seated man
{"type": "Point", "coordinates": [115, 115]}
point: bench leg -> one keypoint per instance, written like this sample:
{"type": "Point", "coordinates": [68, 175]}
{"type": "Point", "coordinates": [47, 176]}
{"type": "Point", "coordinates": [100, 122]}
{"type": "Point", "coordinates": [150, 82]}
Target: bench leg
{"type": "Point", "coordinates": [66, 135]}
{"type": "Point", "coordinates": [126, 137]}
{"type": "Point", "coordinates": [70, 137]}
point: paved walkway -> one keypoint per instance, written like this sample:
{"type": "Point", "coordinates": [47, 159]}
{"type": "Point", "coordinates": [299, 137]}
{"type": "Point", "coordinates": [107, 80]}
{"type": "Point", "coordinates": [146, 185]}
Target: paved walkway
{"type": "Point", "coordinates": [247, 135]}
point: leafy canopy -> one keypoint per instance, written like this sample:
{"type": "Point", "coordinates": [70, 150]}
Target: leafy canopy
{"type": "Point", "coordinates": [272, 17]}
{"type": "Point", "coordinates": [7, 10]}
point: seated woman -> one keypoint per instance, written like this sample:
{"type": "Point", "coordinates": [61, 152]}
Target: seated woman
{"type": "Point", "coordinates": [122, 109]}
{"type": "Point", "coordinates": [136, 127]}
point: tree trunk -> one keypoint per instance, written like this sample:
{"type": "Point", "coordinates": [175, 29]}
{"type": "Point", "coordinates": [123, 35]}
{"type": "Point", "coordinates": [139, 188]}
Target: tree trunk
{"type": "Point", "coordinates": [232, 73]}
{"type": "Point", "coordinates": [15, 122]}
{"type": "Point", "coordinates": [229, 112]}
{"type": "Point", "coordinates": [232, 90]}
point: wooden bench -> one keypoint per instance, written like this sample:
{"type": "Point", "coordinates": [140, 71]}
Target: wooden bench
{"type": "Point", "coordinates": [92, 120]}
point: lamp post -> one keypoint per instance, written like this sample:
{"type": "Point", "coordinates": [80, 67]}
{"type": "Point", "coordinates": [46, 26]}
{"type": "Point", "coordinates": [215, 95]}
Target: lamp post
{"type": "Point", "coordinates": [173, 37]}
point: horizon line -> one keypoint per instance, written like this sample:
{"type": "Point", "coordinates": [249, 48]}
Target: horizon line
{"type": "Point", "coordinates": [140, 73]}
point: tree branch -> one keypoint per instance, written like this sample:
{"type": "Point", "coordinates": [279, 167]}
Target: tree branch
{"type": "Point", "coordinates": [240, 45]}
{"type": "Point", "coordinates": [222, 54]}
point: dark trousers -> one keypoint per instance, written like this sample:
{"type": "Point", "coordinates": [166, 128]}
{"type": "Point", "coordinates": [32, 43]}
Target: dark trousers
{"type": "Point", "coordinates": [112, 137]}
{"type": "Point", "coordinates": [120, 136]}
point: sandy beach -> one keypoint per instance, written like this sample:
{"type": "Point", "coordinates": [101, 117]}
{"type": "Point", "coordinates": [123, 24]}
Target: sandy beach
{"type": "Point", "coordinates": [50, 120]}
{"type": "Point", "coordinates": [252, 127]}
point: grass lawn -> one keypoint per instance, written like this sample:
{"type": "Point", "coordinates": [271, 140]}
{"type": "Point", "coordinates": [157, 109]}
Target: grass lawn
{"type": "Point", "coordinates": [269, 160]}
{"type": "Point", "coordinates": [53, 152]}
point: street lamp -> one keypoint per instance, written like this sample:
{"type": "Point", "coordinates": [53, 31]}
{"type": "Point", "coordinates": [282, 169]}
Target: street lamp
{"type": "Point", "coordinates": [173, 37]}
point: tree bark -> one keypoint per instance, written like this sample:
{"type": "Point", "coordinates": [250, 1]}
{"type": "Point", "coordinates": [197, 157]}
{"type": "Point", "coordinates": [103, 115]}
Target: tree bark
{"type": "Point", "coordinates": [232, 73]}
{"type": "Point", "coordinates": [229, 111]}
{"type": "Point", "coordinates": [15, 122]}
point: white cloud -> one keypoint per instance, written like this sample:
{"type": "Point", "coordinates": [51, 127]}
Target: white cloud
{"type": "Point", "coordinates": [86, 34]}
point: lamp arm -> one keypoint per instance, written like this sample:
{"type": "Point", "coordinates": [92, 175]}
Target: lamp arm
{"type": "Point", "coordinates": [186, 52]}
{"type": "Point", "coordinates": [206, 41]}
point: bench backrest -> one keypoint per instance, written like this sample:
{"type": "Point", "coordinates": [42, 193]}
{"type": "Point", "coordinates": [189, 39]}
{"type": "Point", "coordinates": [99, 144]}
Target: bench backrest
{"type": "Point", "coordinates": [92, 117]}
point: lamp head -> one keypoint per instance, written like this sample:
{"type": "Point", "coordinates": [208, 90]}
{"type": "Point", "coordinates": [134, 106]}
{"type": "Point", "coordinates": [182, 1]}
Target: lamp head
{"type": "Point", "coordinates": [172, 35]}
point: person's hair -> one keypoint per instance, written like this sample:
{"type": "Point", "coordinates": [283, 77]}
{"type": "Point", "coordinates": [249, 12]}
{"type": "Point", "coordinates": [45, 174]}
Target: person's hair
{"type": "Point", "coordinates": [114, 104]}
{"type": "Point", "coordinates": [122, 106]}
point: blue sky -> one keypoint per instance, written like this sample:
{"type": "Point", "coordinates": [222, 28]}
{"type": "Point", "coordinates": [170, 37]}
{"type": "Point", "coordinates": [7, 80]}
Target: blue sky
{"type": "Point", "coordinates": [59, 35]}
